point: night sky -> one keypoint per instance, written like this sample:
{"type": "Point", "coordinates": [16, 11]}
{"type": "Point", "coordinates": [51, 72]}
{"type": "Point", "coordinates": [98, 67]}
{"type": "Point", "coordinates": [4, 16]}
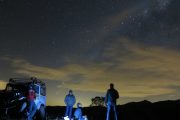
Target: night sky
{"type": "Point", "coordinates": [85, 45]}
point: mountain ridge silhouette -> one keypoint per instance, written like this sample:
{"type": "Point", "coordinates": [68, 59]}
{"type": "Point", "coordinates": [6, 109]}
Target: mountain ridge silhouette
{"type": "Point", "coordinates": [143, 110]}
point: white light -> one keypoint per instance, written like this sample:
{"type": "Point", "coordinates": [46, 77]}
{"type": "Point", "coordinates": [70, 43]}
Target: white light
{"type": "Point", "coordinates": [66, 118]}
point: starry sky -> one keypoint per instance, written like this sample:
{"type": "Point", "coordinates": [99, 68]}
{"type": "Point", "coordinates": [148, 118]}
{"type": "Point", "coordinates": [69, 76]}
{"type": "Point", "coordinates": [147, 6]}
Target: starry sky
{"type": "Point", "coordinates": [85, 45]}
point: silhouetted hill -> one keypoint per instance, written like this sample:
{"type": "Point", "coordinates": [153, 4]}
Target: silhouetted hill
{"type": "Point", "coordinates": [144, 110]}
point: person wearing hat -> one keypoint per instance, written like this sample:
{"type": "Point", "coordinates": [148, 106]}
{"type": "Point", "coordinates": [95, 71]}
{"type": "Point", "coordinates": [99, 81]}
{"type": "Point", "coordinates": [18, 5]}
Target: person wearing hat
{"type": "Point", "coordinates": [69, 100]}
{"type": "Point", "coordinates": [31, 96]}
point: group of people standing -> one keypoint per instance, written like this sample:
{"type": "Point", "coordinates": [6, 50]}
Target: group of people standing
{"type": "Point", "coordinates": [110, 100]}
{"type": "Point", "coordinates": [70, 101]}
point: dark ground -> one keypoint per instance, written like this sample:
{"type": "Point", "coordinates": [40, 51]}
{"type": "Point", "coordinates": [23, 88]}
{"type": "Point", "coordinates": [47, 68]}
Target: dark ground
{"type": "Point", "coordinates": [145, 110]}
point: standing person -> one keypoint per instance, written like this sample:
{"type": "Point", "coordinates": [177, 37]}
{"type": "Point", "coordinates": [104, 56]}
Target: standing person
{"type": "Point", "coordinates": [111, 96]}
{"type": "Point", "coordinates": [69, 100]}
{"type": "Point", "coordinates": [32, 106]}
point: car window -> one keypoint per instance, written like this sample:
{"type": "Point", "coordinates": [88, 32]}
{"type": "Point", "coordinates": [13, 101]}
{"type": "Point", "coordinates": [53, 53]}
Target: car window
{"type": "Point", "coordinates": [36, 88]}
{"type": "Point", "coordinates": [43, 91]}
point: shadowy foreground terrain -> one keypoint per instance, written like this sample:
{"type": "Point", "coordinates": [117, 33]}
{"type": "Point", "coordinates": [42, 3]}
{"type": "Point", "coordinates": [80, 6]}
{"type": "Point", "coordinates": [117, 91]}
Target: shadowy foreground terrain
{"type": "Point", "coordinates": [144, 110]}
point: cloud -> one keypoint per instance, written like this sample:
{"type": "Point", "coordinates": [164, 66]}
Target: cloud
{"type": "Point", "coordinates": [137, 70]}
{"type": "Point", "coordinates": [159, 60]}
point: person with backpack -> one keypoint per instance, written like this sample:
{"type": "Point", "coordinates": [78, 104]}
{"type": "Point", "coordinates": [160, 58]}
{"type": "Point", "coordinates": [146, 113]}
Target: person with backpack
{"type": "Point", "coordinates": [69, 100]}
{"type": "Point", "coordinates": [111, 96]}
